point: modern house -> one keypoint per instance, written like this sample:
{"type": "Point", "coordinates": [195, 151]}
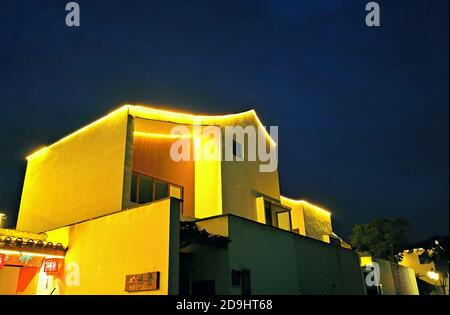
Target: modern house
{"type": "Point", "coordinates": [109, 210]}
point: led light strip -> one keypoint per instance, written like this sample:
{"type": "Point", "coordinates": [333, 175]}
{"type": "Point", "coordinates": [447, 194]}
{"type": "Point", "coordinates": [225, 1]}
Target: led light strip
{"type": "Point", "coordinates": [15, 252]}
{"type": "Point", "coordinates": [307, 203]}
{"type": "Point", "coordinates": [160, 135]}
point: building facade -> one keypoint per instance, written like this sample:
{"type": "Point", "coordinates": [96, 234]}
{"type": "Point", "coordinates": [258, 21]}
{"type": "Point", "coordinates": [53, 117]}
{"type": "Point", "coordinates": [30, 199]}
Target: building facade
{"type": "Point", "coordinates": [109, 210]}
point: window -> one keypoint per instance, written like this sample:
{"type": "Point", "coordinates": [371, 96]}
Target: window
{"type": "Point", "coordinates": [160, 190]}
{"type": "Point", "coordinates": [277, 215]}
{"type": "Point", "coordinates": [246, 282]}
{"type": "Point", "coordinates": [133, 192]}
{"type": "Point", "coordinates": [237, 149]}
{"type": "Point", "coordinates": [145, 189]}
{"type": "Point", "coordinates": [235, 278]}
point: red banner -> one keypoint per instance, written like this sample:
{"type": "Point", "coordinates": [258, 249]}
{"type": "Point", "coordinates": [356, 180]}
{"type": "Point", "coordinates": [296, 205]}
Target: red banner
{"type": "Point", "coordinates": [2, 260]}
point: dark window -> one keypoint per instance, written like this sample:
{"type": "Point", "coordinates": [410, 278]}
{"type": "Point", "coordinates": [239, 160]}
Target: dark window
{"type": "Point", "coordinates": [268, 213]}
{"type": "Point", "coordinates": [235, 278]}
{"type": "Point", "coordinates": [160, 190]}
{"type": "Point", "coordinates": [145, 189]}
{"type": "Point", "coordinates": [335, 241]}
{"type": "Point", "coordinates": [133, 192]}
{"type": "Point", "coordinates": [246, 282]}
{"type": "Point", "coordinates": [424, 258]}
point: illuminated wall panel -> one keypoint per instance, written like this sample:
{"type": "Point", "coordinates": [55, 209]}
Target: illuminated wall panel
{"type": "Point", "coordinates": [151, 156]}
{"type": "Point", "coordinates": [243, 181]}
{"type": "Point", "coordinates": [135, 241]}
{"type": "Point", "coordinates": [208, 181]}
{"type": "Point", "coordinates": [77, 178]}
{"type": "Point", "coordinates": [311, 220]}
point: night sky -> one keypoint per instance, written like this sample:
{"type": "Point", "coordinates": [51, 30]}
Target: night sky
{"type": "Point", "coordinates": [363, 113]}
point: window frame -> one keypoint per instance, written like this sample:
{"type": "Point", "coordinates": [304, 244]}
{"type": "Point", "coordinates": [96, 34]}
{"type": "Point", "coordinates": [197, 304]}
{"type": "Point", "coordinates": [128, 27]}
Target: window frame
{"type": "Point", "coordinates": [271, 216]}
{"type": "Point", "coordinates": [154, 180]}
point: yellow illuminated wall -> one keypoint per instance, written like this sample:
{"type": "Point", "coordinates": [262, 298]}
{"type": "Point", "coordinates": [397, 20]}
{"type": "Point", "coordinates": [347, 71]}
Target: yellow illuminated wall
{"type": "Point", "coordinates": [208, 179]}
{"type": "Point", "coordinates": [297, 218]}
{"type": "Point", "coordinates": [222, 187]}
{"type": "Point", "coordinates": [243, 182]}
{"type": "Point", "coordinates": [311, 220]}
{"type": "Point", "coordinates": [77, 178]}
{"type": "Point", "coordinates": [425, 271]}
{"type": "Point", "coordinates": [365, 260]}
{"type": "Point", "coordinates": [412, 260]}
{"type": "Point", "coordinates": [87, 174]}
{"type": "Point", "coordinates": [134, 241]}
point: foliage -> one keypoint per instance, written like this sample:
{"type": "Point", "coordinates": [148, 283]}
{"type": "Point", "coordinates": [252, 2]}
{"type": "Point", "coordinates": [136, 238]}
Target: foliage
{"type": "Point", "coordinates": [381, 238]}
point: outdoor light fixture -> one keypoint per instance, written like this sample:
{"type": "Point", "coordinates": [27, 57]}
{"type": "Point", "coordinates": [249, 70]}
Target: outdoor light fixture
{"type": "Point", "coordinates": [433, 275]}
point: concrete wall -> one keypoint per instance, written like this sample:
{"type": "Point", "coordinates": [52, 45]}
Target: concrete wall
{"type": "Point", "coordinates": [77, 178]}
{"type": "Point", "coordinates": [243, 182]}
{"type": "Point", "coordinates": [140, 240]}
{"type": "Point", "coordinates": [297, 215]}
{"type": "Point", "coordinates": [396, 279]}
{"type": "Point", "coordinates": [317, 223]}
{"type": "Point", "coordinates": [280, 262]}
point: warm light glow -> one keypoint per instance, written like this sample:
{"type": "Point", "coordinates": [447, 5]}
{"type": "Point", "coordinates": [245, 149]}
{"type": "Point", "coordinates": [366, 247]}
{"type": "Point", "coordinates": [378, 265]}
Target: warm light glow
{"type": "Point", "coordinates": [41, 255]}
{"type": "Point", "coordinates": [15, 252]}
{"type": "Point", "coordinates": [9, 252]}
{"type": "Point", "coordinates": [165, 115]}
{"type": "Point", "coordinates": [319, 209]}
{"type": "Point", "coordinates": [191, 119]}
{"type": "Point", "coordinates": [37, 153]}
{"type": "Point", "coordinates": [365, 261]}
{"type": "Point", "coordinates": [160, 135]}
{"type": "Point", "coordinates": [433, 275]}
{"type": "Point", "coordinates": [79, 131]}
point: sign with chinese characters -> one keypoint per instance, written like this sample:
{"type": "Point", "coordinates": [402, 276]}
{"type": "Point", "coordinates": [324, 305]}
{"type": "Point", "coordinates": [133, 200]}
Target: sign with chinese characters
{"type": "Point", "coordinates": [2, 260]}
{"type": "Point", "coordinates": [52, 265]}
{"type": "Point", "coordinates": [142, 282]}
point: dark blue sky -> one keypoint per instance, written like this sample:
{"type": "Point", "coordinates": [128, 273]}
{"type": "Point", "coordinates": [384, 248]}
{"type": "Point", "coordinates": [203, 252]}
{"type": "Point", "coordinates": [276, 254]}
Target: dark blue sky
{"type": "Point", "coordinates": [363, 113]}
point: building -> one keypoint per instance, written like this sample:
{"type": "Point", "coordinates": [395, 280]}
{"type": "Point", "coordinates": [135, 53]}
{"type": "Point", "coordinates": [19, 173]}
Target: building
{"type": "Point", "coordinates": [386, 277]}
{"type": "Point", "coordinates": [425, 269]}
{"type": "Point", "coordinates": [108, 210]}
